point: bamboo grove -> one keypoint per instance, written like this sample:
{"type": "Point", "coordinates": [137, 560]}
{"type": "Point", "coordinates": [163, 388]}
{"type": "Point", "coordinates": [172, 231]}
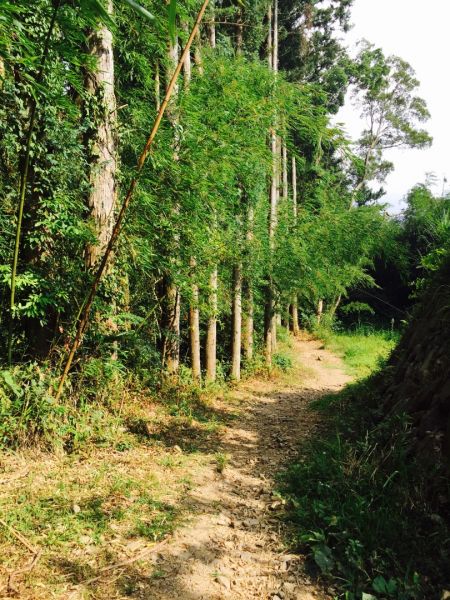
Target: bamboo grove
{"type": "Point", "coordinates": [253, 210]}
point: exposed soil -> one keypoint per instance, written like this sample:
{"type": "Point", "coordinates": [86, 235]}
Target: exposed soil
{"type": "Point", "coordinates": [234, 547]}
{"type": "Point", "coordinates": [232, 544]}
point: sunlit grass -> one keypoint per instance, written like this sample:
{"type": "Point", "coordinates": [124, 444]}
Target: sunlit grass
{"type": "Point", "coordinates": [362, 349]}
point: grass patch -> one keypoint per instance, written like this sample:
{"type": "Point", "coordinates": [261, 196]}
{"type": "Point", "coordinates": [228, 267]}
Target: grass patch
{"type": "Point", "coordinates": [362, 510]}
{"type": "Point", "coordinates": [362, 349]}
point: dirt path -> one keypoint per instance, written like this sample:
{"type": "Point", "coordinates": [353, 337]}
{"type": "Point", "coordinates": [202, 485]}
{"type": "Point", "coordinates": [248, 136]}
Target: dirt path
{"type": "Point", "coordinates": [233, 547]}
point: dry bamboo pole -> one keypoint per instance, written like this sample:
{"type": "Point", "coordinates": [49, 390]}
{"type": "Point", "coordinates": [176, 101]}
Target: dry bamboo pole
{"type": "Point", "coordinates": [83, 319]}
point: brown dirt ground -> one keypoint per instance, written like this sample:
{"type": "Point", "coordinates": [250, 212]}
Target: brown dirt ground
{"type": "Point", "coordinates": [232, 545]}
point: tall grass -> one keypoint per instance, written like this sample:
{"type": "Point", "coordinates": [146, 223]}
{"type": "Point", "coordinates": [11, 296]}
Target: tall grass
{"type": "Point", "coordinates": [361, 507]}
{"type": "Point", "coordinates": [363, 349]}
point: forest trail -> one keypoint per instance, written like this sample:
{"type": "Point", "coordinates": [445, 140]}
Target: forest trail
{"type": "Point", "coordinates": [233, 548]}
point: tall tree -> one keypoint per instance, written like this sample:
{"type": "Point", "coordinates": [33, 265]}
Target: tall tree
{"type": "Point", "coordinates": [384, 92]}
{"type": "Point", "coordinates": [102, 139]}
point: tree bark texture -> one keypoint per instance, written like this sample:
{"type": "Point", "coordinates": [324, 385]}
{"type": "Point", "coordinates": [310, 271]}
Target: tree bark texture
{"type": "Point", "coordinates": [172, 305]}
{"type": "Point", "coordinates": [194, 325]}
{"type": "Point", "coordinates": [102, 196]}
{"type": "Point", "coordinates": [237, 323]}
{"type": "Point", "coordinates": [211, 332]}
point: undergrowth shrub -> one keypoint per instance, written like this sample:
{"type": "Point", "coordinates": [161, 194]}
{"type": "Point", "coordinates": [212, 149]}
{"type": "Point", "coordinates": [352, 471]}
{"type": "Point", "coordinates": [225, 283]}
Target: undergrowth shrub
{"type": "Point", "coordinates": [30, 415]}
{"type": "Point", "coordinates": [362, 507]}
{"type": "Point", "coordinates": [27, 409]}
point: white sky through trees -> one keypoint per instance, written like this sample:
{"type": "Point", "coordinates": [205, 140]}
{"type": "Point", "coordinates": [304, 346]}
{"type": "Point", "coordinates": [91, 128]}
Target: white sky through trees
{"type": "Point", "coordinates": [418, 32]}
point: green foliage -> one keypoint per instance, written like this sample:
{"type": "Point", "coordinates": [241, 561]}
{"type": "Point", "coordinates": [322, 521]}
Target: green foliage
{"type": "Point", "coordinates": [384, 91]}
{"type": "Point", "coordinates": [361, 507]}
{"type": "Point", "coordinates": [282, 362]}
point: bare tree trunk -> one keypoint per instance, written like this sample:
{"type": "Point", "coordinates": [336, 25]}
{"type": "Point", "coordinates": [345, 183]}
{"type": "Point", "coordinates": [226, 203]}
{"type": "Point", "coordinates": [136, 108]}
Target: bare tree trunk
{"type": "Point", "coordinates": [239, 34]}
{"type": "Point", "coordinates": [194, 314]}
{"type": "Point", "coordinates": [270, 320]}
{"type": "Point", "coordinates": [335, 305]}
{"type": "Point", "coordinates": [269, 39]}
{"type": "Point", "coordinates": [294, 309]}
{"type": "Point", "coordinates": [2, 72]}
{"type": "Point", "coordinates": [211, 333]}
{"type": "Point", "coordinates": [237, 323]}
{"type": "Point", "coordinates": [198, 53]}
{"type": "Point", "coordinates": [275, 36]}
{"type": "Point", "coordinates": [285, 171]}
{"type": "Point", "coordinates": [194, 326]}
{"type": "Point", "coordinates": [187, 65]}
{"type": "Point", "coordinates": [212, 27]}
{"type": "Point", "coordinates": [157, 87]}
{"type": "Point", "coordinates": [102, 195]}
{"type": "Point", "coordinates": [247, 344]}
{"type": "Point", "coordinates": [171, 348]}
{"type": "Point", "coordinates": [248, 325]}
{"type": "Point", "coordinates": [319, 311]}
{"type": "Point", "coordinates": [172, 307]}
{"type": "Point", "coordinates": [211, 330]}
{"type": "Point", "coordinates": [294, 315]}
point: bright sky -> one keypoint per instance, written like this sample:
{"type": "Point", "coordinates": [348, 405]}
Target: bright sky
{"type": "Point", "coordinates": [418, 32]}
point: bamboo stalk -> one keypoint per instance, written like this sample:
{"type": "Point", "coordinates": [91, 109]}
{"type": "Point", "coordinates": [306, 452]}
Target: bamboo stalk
{"type": "Point", "coordinates": [84, 315]}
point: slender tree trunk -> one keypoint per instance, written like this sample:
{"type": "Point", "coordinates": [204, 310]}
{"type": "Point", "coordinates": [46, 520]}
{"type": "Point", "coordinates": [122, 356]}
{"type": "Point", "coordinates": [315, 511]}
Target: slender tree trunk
{"type": "Point", "coordinates": [294, 306]}
{"type": "Point", "coordinates": [319, 311]}
{"type": "Point", "coordinates": [237, 323]}
{"type": "Point", "coordinates": [211, 329]}
{"type": "Point", "coordinates": [2, 72]}
{"type": "Point", "coordinates": [247, 344]}
{"type": "Point", "coordinates": [294, 190]}
{"type": "Point", "coordinates": [102, 196]}
{"type": "Point", "coordinates": [239, 34]}
{"type": "Point", "coordinates": [249, 325]}
{"type": "Point", "coordinates": [294, 315]}
{"type": "Point", "coordinates": [194, 326]}
{"type": "Point", "coordinates": [198, 53]}
{"type": "Point", "coordinates": [194, 314]}
{"type": "Point", "coordinates": [285, 171]}
{"type": "Point", "coordinates": [212, 27]}
{"type": "Point", "coordinates": [269, 39]}
{"type": "Point", "coordinates": [335, 305]}
{"type": "Point", "coordinates": [211, 333]}
{"type": "Point", "coordinates": [187, 65]}
{"type": "Point", "coordinates": [270, 317]}
{"type": "Point", "coordinates": [157, 87]}
{"type": "Point", "coordinates": [171, 347]}
{"type": "Point", "coordinates": [275, 36]}
{"type": "Point", "coordinates": [172, 306]}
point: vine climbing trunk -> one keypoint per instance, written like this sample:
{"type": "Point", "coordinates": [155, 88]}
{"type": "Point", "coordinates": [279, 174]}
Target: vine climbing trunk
{"type": "Point", "coordinates": [25, 167]}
